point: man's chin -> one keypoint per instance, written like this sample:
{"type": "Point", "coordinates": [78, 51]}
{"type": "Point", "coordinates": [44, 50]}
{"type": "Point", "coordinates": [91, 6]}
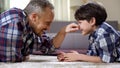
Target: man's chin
{"type": "Point", "coordinates": [39, 34]}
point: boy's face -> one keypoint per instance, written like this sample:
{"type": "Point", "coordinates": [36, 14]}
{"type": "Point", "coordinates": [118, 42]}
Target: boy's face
{"type": "Point", "coordinates": [86, 27]}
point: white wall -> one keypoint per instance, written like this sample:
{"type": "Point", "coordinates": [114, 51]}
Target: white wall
{"type": "Point", "coordinates": [62, 11]}
{"type": "Point", "coordinates": [113, 9]}
{"type": "Point", "coordinates": [74, 4]}
{"type": "Point", "coordinates": [4, 5]}
{"type": "Point", "coordinates": [18, 3]}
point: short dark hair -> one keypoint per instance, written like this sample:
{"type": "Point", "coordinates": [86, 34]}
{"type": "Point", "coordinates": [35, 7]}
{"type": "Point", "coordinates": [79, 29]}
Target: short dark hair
{"type": "Point", "coordinates": [37, 6]}
{"type": "Point", "coordinates": [90, 10]}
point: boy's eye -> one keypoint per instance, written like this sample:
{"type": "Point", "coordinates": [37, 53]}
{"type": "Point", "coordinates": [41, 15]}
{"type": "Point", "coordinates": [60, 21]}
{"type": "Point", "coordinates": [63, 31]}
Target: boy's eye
{"type": "Point", "coordinates": [79, 22]}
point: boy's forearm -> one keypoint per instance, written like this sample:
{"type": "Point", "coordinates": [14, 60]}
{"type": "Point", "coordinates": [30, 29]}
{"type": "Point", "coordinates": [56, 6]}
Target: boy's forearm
{"type": "Point", "coordinates": [88, 58]}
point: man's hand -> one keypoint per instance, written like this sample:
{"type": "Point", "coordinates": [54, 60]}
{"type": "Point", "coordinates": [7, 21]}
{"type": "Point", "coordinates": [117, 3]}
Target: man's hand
{"type": "Point", "coordinates": [60, 56]}
{"type": "Point", "coordinates": [71, 27]}
{"type": "Point", "coordinates": [71, 56]}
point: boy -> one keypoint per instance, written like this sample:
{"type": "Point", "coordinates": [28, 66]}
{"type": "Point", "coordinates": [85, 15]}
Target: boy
{"type": "Point", "coordinates": [104, 40]}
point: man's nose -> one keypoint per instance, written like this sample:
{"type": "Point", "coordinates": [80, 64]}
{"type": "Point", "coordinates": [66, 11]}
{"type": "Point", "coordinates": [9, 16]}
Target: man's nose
{"type": "Point", "coordinates": [48, 28]}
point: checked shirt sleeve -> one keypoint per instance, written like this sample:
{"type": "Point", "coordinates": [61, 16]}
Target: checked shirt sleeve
{"type": "Point", "coordinates": [10, 36]}
{"type": "Point", "coordinates": [43, 45]}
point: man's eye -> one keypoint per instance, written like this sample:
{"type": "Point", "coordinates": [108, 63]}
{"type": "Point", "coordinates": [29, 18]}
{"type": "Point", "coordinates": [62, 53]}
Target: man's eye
{"type": "Point", "coordinates": [47, 23]}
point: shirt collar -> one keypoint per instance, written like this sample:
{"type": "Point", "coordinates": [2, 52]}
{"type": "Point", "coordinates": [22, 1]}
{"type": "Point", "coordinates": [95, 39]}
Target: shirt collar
{"type": "Point", "coordinates": [27, 28]}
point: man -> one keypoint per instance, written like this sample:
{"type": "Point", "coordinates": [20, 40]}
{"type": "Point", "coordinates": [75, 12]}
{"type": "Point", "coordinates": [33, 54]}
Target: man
{"type": "Point", "coordinates": [23, 31]}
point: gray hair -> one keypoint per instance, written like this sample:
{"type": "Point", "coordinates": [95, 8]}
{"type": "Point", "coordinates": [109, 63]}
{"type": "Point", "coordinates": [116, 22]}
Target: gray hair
{"type": "Point", "coordinates": [37, 6]}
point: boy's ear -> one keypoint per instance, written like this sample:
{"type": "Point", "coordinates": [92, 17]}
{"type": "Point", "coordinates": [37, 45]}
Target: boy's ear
{"type": "Point", "coordinates": [93, 21]}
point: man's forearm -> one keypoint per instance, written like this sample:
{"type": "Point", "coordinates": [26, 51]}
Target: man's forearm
{"type": "Point", "coordinates": [58, 39]}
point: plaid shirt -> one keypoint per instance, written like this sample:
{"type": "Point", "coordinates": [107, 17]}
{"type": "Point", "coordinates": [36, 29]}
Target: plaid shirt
{"type": "Point", "coordinates": [105, 43]}
{"type": "Point", "coordinates": [17, 39]}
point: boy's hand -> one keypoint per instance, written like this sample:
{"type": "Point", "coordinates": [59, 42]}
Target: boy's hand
{"type": "Point", "coordinates": [72, 56]}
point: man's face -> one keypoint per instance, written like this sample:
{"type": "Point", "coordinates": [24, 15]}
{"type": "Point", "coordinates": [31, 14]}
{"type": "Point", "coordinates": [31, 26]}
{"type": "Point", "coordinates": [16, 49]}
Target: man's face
{"type": "Point", "coordinates": [41, 22]}
{"type": "Point", "coordinates": [85, 27]}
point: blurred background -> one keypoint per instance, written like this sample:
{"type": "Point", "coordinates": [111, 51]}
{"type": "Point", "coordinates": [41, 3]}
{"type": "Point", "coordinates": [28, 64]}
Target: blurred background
{"type": "Point", "coordinates": [64, 9]}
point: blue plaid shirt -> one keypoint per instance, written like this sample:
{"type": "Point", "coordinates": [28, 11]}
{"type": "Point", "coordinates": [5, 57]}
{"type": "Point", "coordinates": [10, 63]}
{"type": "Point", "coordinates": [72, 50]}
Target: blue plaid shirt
{"type": "Point", "coordinates": [105, 43]}
{"type": "Point", "coordinates": [17, 39]}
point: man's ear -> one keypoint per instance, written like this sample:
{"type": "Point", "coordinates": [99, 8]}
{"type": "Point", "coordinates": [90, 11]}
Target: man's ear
{"type": "Point", "coordinates": [33, 17]}
{"type": "Point", "coordinates": [93, 21]}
